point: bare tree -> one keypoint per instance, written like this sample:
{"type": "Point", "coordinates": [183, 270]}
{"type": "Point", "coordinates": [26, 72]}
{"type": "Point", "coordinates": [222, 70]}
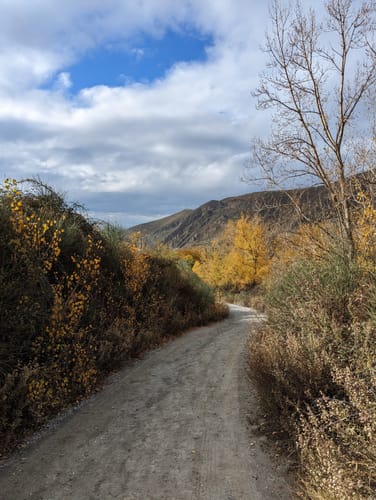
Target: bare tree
{"type": "Point", "coordinates": [319, 76]}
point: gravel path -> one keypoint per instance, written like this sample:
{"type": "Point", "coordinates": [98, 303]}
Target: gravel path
{"type": "Point", "coordinates": [171, 426]}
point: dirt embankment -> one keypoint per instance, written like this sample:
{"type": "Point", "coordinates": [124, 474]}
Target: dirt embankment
{"type": "Point", "coordinates": [172, 426]}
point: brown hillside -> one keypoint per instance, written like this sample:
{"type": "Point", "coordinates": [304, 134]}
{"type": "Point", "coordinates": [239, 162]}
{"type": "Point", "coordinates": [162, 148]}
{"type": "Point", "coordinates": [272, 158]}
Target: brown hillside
{"type": "Point", "coordinates": [199, 226]}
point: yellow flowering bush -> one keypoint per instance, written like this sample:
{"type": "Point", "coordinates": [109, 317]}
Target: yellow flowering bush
{"type": "Point", "coordinates": [76, 300]}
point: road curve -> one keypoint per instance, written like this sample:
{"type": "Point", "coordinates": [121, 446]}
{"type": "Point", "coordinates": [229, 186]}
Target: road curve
{"type": "Point", "coordinates": [171, 426]}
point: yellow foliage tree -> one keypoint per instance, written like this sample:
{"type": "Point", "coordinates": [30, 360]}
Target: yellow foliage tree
{"type": "Point", "coordinates": [239, 259]}
{"type": "Point", "coordinates": [247, 261]}
{"type": "Point", "coordinates": [210, 267]}
{"type": "Point", "coordinates": [316, 241]}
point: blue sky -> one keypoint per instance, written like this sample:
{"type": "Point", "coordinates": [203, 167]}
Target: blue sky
{"type": "Point", "coordinates": [144, 59]}
{"type": "Point", "coordinates": [135, 109]}
{"type": "Point", "coordinates": [148, 58]}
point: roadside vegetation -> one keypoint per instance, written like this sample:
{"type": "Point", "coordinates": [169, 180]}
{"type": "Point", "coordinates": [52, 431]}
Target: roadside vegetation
{"type": "Point", "coordinates": [314, 360]}
{"type": "Point", "coordinates": [76, 300]}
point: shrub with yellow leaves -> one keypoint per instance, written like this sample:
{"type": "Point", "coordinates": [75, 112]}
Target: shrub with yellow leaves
{"type": "Point", "coordinates": [34, 235]}
{"type": "Point", "coordinates": [66, 353]}
{"type": "Point", "coordinates": [76, 301]}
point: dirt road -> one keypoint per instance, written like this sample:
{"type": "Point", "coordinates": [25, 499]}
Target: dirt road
{"type": "Point", "coordinates": [172, 426]}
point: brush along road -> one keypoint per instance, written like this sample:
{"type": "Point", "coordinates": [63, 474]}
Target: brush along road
{"type": "Point", "coordinates": [171, 426]}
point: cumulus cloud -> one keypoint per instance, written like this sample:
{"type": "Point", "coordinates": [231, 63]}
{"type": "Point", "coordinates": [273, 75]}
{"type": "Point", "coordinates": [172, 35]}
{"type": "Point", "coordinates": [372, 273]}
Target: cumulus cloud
{"type": "Point", "coordinates": [139, 150]}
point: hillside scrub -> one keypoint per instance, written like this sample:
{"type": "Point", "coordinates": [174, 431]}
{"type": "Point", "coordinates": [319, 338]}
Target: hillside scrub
{"type": "Point", "coordinates": [76, 301]}
{"type": "Point", "coordinates": [314, 359]}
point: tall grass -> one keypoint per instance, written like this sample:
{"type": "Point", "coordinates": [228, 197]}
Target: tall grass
{"type": "Point", "coordinates": [315, 365]}
{"type": "Point", "coordinates": [76, 300]}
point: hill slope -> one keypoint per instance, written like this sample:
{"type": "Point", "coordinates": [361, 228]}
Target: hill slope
{"type": "Point", "coordinates": [199, 226]}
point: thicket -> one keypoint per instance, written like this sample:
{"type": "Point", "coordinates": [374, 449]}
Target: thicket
{"type": "Point", "coordinates": [314, 361]}
{"type": "Point", "coordinates": [76, 300]}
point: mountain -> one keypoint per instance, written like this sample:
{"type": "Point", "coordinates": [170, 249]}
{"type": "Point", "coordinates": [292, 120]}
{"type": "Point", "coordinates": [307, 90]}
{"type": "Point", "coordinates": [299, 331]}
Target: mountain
{"type": "Point", "coordinates": [199, 226]}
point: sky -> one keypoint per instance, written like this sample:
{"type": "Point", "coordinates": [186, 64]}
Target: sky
{"type": "Point", "coordinates": [135, 109]}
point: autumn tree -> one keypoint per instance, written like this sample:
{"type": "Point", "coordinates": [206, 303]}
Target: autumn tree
{"type": "Point", "coordinates": [239, 259]}
{"type": "Point", "coordinates": [319, 76]}
{"type": "Point", "coordinates": [247, 261]}
{"type": "Point", "coordinates": [210, 267]}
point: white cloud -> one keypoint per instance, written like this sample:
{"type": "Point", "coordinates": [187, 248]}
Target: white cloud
{"type": "Point", "coordinates": [63, 81]}
{"type": "Point", "coordinates": [185, 136]}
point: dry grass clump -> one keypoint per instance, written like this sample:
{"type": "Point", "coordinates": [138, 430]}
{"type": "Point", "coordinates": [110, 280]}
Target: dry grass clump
{"type": "Point", "coordinates": [337, 440]}
{"type": "Point", "coordinates": [314, 364]}
{"type": "Point", "coordinates": [77, 300]}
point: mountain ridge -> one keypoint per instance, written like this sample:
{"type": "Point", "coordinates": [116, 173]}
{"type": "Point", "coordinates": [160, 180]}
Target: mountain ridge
{"type": "Point", "coordinates": [192, 227]}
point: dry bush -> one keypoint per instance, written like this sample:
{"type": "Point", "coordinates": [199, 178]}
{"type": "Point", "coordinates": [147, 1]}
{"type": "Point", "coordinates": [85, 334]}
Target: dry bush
{"type": "Point", "coordinates": [314, 364]}
{"type": "Point", "coordinates": [337, 440]}
{"type": "Point", "coordinates": [16, 407]}
{"type": "Point", "coordinates": [290, 371]}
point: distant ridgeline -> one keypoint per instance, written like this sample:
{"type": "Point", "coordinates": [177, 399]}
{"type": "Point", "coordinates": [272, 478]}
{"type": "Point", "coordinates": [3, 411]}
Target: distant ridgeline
{"type": "Point", "coordinates": [201, 225]}
{"type": "Point", "coordinates": [279, 208]}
